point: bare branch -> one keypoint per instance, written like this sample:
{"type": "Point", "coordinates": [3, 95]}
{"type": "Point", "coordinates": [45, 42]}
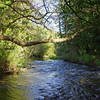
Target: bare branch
{"type": "Point", "coordinates": [45, 6]}
{"type": "Point", "coordinates": [36, 18]}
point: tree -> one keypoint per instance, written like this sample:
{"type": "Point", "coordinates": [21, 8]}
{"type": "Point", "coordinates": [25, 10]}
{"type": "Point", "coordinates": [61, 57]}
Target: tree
{"type": "Point", "coordinates": [83, 15]}
{"type": "Point", "coordinates": [15, 12]}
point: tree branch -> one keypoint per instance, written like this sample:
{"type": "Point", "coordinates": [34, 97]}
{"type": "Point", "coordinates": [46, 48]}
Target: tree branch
{"type": "Point", "coordinates": [14, 21]}
{"type": "Point", "coordinates": [23, 44]}
{"type": "Point", "coordinates": [32, 16]}
{"type": "Point", "coordinates": [6, 48]}
{"type": "Point", "coordinates": [77, 14]}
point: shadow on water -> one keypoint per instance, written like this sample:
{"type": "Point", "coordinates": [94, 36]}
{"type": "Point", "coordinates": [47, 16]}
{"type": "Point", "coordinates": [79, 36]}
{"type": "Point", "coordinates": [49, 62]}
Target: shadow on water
{"type": "Point", "coordinates": [52, 80]}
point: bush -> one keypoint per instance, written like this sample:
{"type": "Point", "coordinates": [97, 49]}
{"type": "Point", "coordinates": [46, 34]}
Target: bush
{"type": "Point", "coordinates": [18, 57]}
{"type": "Point", "coordinates": [85, 59]}
{"type": "Point", "coordinates": [97, 62]}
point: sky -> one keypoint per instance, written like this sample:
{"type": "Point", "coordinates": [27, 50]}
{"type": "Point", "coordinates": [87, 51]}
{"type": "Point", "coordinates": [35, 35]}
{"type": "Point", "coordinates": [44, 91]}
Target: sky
{"type": "Point", "coordinates": [50, 6]}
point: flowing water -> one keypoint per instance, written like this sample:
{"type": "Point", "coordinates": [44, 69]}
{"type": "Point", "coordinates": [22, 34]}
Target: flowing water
{"type": "Point", "coordinates": [52, 80]}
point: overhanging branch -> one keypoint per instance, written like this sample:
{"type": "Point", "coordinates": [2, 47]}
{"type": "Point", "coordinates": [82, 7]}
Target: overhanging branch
{"type": "Point", "coordinates": [23, 44]}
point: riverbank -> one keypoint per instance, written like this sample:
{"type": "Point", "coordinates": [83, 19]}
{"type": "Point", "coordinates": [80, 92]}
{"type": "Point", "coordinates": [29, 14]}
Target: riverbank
{"type": "Point", "coordinates": [90, 64]}
{"type": "Point", "coordinates": [72, 60]}
{"type": "Point", "coordinates": [15, 70]}
{"type": "Point", "coordinates": [80, 63]}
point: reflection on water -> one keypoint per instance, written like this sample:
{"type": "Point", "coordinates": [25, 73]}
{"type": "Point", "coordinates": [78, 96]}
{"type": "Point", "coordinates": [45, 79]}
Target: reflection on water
{"type": "Point", "coordinates": [13, 87]}
{"type": "Point", "coordinates": [52, 80]}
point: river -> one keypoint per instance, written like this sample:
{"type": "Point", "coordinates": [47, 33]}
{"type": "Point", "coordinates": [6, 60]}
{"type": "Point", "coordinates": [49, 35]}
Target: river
{"type": "Point", "coordinates": [52, 80]}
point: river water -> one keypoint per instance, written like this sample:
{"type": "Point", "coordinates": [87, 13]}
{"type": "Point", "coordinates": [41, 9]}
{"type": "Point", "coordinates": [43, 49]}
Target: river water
{"type": "Point", "coordinates": [52, 80]}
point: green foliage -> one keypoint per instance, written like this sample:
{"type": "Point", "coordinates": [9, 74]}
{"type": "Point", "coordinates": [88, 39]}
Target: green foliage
{"type": "Point", "coordinates": [18, 57]}
{"type": "Point", "coordinates": [67, 52]}
{"type": "Point", "coordinates": [43, 50]}
{"type": "Point", "coordinates": [84, 16]}
{"type": "Point", "coordinates": [97, 62]}
{"type": "Point", "coordinates": [81, 17]}
{"type": "Point", "coordinates": [23, 30]}
{"type": "Point", "coordinates": [85, 59]}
